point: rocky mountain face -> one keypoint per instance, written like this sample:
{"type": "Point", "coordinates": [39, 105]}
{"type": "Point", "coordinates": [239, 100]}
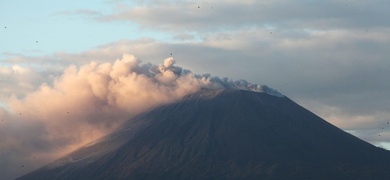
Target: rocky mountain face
{"type": "Point", "coordinates": [224, 134]}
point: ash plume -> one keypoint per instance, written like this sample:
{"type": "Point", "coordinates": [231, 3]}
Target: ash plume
{"type": "Point", "coordinates": [89, 101]}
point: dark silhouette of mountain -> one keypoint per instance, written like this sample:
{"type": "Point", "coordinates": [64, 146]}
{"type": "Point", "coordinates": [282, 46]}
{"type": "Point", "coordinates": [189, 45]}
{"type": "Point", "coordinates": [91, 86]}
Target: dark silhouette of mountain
{"type": "Point", "coordinates": [224, 134]}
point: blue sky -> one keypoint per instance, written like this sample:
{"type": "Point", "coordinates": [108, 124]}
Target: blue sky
{"type": "Point", "coordinates": [329, 56]}
{"type": "Point", "coordinates": [58, 27]}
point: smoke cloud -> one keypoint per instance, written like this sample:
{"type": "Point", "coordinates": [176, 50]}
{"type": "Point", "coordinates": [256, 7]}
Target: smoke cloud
{"type": "Point", "coordinates": [89, 101]}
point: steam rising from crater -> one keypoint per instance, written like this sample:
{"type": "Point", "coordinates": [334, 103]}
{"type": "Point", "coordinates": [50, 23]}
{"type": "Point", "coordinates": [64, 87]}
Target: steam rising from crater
{"type": "Point", "coordinates": [87, 102]}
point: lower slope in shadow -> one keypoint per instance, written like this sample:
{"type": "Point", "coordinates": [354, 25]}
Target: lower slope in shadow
{"type": "Point", "coordinates": [223, 135]}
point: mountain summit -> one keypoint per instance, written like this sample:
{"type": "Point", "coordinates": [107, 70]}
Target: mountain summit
{"type": "Point", "coordinates": [224, 134]}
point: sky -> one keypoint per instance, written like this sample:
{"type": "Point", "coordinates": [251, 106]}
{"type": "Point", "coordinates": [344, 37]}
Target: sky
{"type": "Point", "coordinates": [67, 68]}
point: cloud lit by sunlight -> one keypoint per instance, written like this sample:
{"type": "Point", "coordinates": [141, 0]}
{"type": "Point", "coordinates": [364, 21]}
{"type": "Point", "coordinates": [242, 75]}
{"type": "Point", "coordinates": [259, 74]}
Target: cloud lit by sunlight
{"type": "Point", "coordinates": [89, 101]}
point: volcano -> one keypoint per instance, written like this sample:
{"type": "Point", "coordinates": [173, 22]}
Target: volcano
{"type": "Point", "coordinates": [224, 134]}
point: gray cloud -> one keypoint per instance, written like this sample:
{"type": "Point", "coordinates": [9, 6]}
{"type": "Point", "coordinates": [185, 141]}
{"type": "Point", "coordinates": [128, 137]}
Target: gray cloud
{"type": "Point", "coordinates": [344, 70]}
{"type": "Point", "coordinates": [326, 66]}
{"type": "Point", "coordinates": [219, 15]}
{"type": "Point", "coordinates": [84, 12]}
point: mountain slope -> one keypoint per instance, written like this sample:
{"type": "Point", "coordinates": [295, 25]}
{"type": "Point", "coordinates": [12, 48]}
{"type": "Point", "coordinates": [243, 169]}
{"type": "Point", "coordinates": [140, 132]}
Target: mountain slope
{"type": "Point", "coordinates": [220, 135]}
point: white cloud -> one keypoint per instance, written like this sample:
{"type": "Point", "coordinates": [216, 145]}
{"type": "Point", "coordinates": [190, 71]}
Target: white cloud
{"type": "Point", "coordinates": [18, 80]}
